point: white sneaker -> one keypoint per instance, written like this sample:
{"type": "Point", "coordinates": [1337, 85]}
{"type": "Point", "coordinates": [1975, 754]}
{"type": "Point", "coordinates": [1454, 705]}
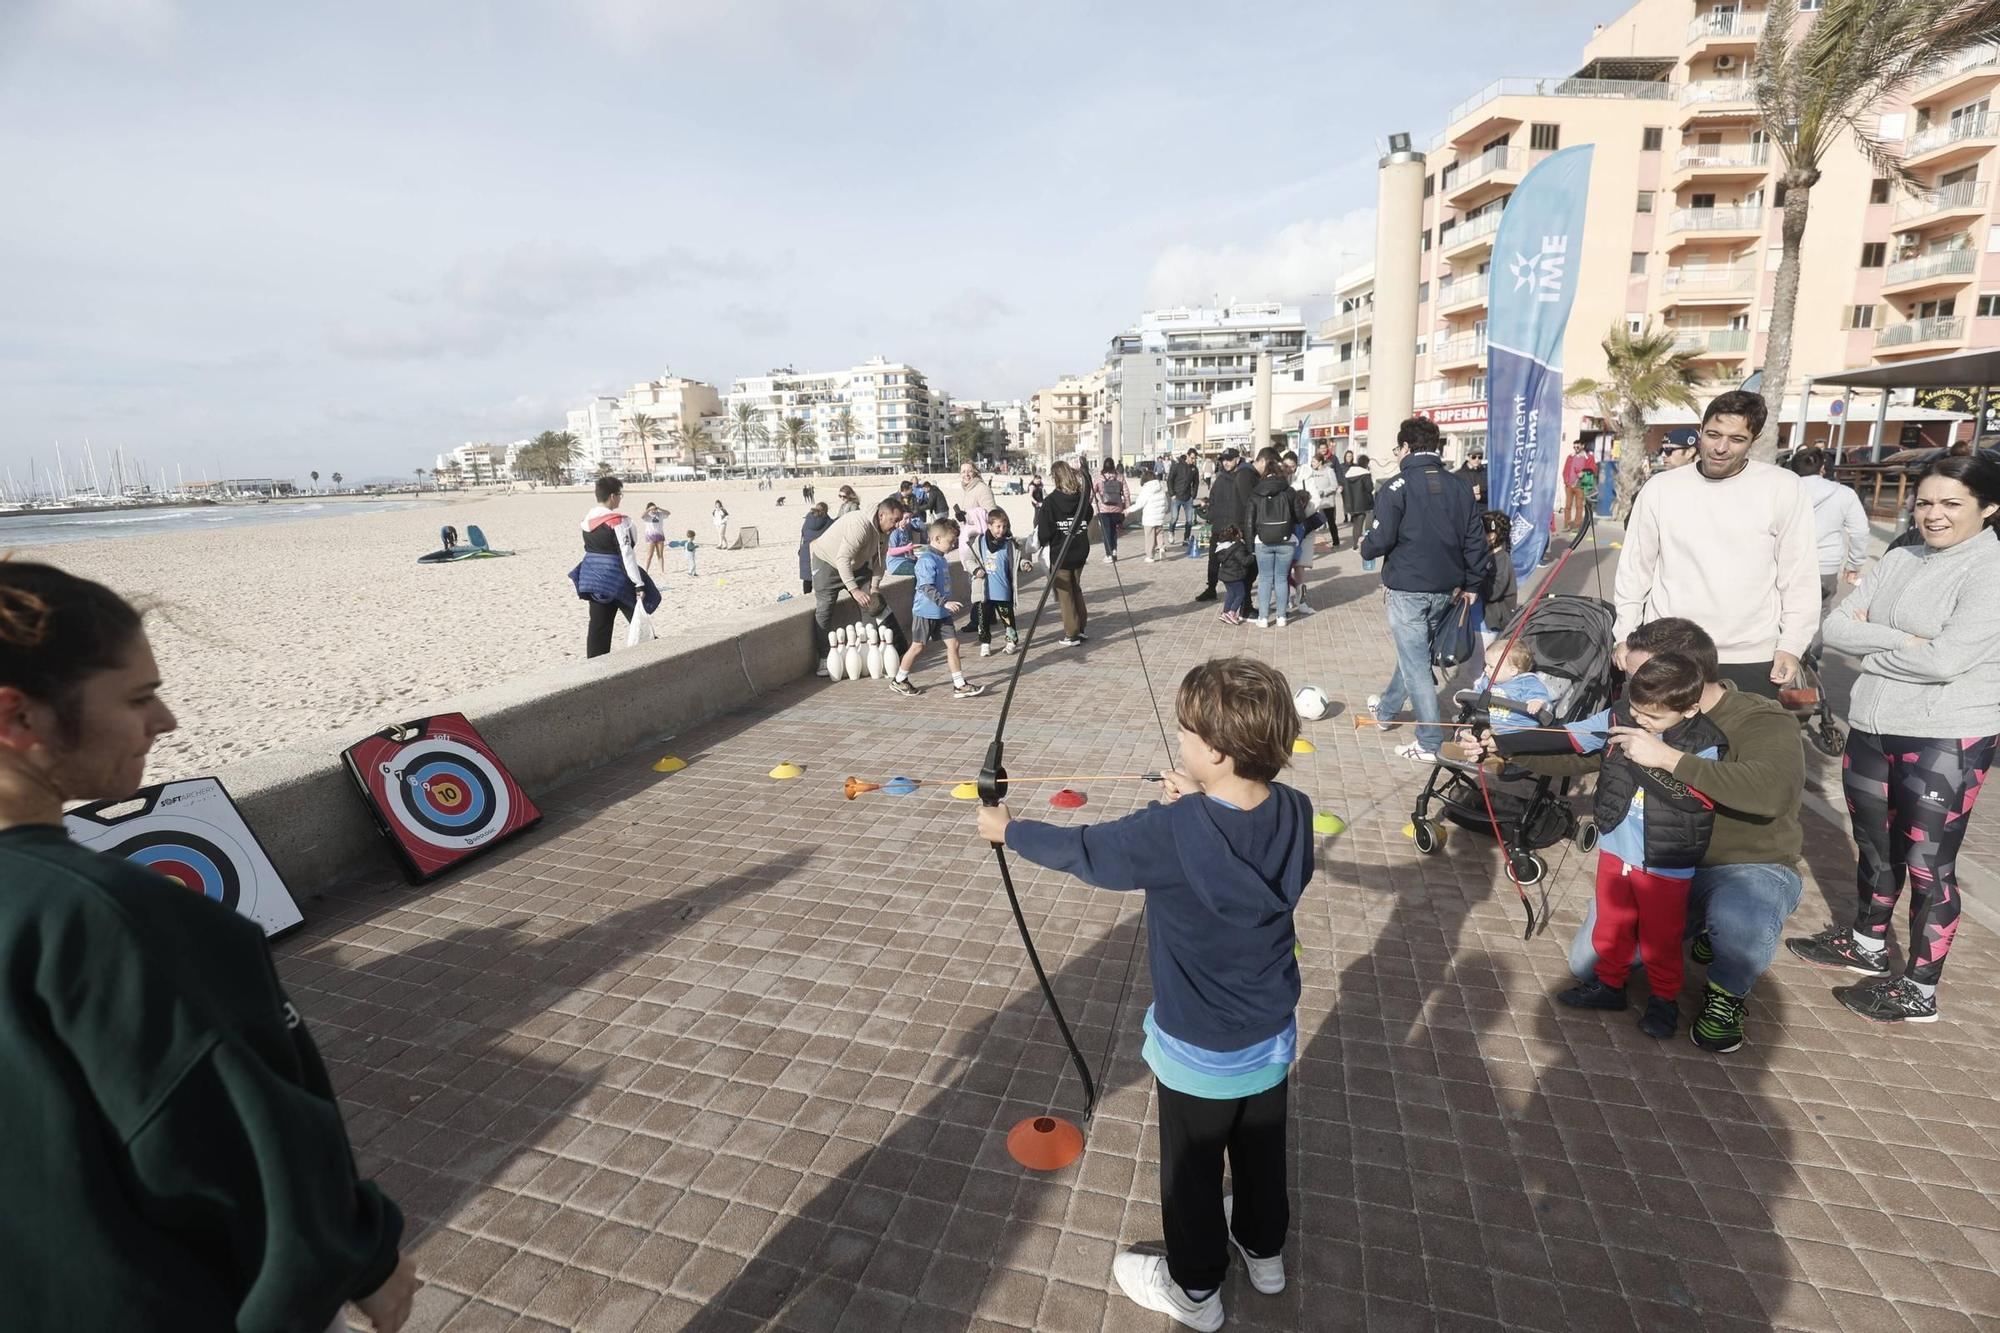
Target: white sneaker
{"type": "Point", "coordinates": [1145, 1279]}
{"type": "Point", "coordinates": [1150, 559]}
{"type": "Point", "coordinates": [986, 650]}
{"type": "Point", "coordinates": [1415, 750]}
{"type": "Point", "coordinates": [1261, 623]}
{"type": "Point", "coordinates": [822, 672]}
{"type": "Point", "coordinates": [1266, 1275]}
{"type": "Point", "coordinates": [1281, 622]}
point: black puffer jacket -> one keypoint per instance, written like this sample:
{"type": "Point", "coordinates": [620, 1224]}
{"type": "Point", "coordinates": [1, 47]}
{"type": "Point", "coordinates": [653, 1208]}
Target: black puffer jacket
{"type": "Point", "coordinates": [1679, 819]}
{"type": "Point", "coordinates": [1229, 498]}
{"type": "Point", "coordinates": [1059, 512]}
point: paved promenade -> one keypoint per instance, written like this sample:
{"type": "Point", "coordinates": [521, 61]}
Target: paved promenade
{"type": "Point", "coordinates": [708, 1051]}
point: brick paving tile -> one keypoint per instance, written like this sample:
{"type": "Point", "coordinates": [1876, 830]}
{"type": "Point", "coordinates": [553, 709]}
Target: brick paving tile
{"type": "Point", "coordinates": [707, 1051]}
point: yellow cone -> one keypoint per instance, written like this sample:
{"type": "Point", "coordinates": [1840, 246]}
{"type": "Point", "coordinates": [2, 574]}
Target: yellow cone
{"type": "Point", "coordinates": [786, 771]}
{"type": "Point", "coordinates": [673, 763]}
{"type": "Point", "coordinates": [1304, 746]}
{"type": "Point", "coordinates": [965, 791]}
{"type": "Point", "coordinates": [1328, 822]}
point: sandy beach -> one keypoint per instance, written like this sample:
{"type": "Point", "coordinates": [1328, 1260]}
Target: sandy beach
{"type": "Point", "coordinates": [274, 634]}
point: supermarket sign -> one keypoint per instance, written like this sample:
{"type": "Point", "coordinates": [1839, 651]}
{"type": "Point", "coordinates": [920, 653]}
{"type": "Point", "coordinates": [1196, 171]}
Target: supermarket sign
{"type": "Point", "coordinates": [1336, 430]}
{"type": "Point", "coordinates": [1453, 415]}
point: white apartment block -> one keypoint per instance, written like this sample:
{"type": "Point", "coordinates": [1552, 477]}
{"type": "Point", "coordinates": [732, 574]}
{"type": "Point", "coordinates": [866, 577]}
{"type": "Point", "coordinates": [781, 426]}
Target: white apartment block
{"type": "Point", "coordinates": [481, 464]}
{"type": "Point", "coordinates": [1209, 350]}
{"type": "Point", "coordinates": [879, 412]}
{"type": "Point", "coordinates": [1682, 226]}
{"type": "Point", "coordinates": [596, 428]}
{"type": "Point", "coordinates": [673, 403]}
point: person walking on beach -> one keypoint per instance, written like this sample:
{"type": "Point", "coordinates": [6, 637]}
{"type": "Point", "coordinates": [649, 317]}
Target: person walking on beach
{"type": "Point", "coordinates": [653, 529]}
{"type": "Point", "coordinates": [849, 557]}
{"type": "Point", "coordinates": [179, 1159]}
{"type": "Point", "coordinates": [688, 548]}
{"type": "Point", "coordinates": [1223, 861]}
{"type": "Point", "coordinates": [816, 521]}
{"type": "Point", "coordinates": [720, 518]}
{"type": "Point", "coordinates": [609, 577]}
{"type": "Point", "coordinates": [1729, 544]}
{"type": "Point", "coordinates": [1064, 512]}
{"type": "Point", "coordinates": [1925, 628]}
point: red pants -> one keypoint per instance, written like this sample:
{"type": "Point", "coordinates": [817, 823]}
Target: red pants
{"type": "Point", "coordinates": [1635, 905]}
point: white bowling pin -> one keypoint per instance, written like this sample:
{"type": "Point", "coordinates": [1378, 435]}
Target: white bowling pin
{"type": "Point", "coordinates": [854, 661]}
{"type": "Point", "coordinates": [874, 663]}
{"type": "Point", "coordinates": [836, 662]}
{"type": "Point", "coordinates": [871, 632]}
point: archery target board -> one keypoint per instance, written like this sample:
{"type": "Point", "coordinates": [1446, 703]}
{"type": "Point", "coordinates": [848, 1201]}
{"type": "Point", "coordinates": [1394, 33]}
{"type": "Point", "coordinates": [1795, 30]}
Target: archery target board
{"type": "Point", "coordinates": [191, 833]}
{"type": "Point", "coordinates": [437, 792]}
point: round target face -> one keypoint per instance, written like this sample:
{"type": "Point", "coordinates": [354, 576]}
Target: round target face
{"type": "Point", "coordinates": [446, 794]}
{"type": "Point", "coordinates": [190, 860]}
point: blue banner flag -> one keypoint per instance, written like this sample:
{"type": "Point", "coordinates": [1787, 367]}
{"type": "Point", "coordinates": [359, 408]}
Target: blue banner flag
{"type": "Point", "coordinates": [1536, 255]}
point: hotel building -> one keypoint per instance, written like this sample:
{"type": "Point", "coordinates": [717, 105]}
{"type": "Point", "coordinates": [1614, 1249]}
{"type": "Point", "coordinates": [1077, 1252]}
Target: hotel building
{"type": "Point", "coordinates": [879, 412]}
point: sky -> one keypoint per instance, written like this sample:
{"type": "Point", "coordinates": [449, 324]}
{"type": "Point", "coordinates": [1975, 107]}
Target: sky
{"type": "Point", "coordinates": [258, 239]}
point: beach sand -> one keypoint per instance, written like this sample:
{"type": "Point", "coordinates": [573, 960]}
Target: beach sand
{"type": "Point", "coordinates": [272, 635]}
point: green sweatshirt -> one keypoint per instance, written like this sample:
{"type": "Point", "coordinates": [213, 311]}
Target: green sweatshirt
{"type": "Point", "coordinates": [175, 1158]}
{"type": "Point", "coordinates": [1756, 786]}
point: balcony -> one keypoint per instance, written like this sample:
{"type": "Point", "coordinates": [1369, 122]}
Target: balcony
{"type": "Point", "coordinates": [1940, 145]}
{"type": "Point", "coordinates": [1476, 233]}
{"type": "Point", "coordinates": [1178, 374]}
{"type": "Point", "coordinates": [1715, 98]}
{"type": "Point", "coordinates": [1725, 28]}
{"type": "Point", "coordinates": [1461, 293]}
{"type": "Point", "coordinates": [1920, 335]}
{"type": "Point", "coordinates": [1436, 393]}
{"type": "Point", "coordinates": [1964, 73]}
{"type": "Point", "coordinates": [1961, 201]}
{"type": "Point", "coordinates": [1945, 268]}
{"type": "Point", "coordinates": [1739, 220]}
{"type": "Point", "coordinates": [1342, 372]}
{"type": "Point", "coordinates": [1709, 286]}
{"type": "Point", "coordinates": [1464, 122]}
{"type": "Point", "coordinates": [1465, 350]}
{"type": "Point", "coordinates": [1746, 161]}
{"type": "Point", "coordinates": [1493, 172]}
{"type": "Point", "coordinates": [1723, 344]}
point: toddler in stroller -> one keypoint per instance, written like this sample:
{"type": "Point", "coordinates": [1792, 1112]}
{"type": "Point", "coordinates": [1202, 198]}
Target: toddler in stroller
{"type": "Point", "coordinates": [1562, 644]}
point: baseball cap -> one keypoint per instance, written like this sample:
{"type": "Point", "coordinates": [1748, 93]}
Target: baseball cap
{"type": "Point", "coordinates": [1229, 455]}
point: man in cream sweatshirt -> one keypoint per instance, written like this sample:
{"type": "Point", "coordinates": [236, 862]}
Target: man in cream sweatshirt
{"type": "Point", "coordinates": [1729, 544]}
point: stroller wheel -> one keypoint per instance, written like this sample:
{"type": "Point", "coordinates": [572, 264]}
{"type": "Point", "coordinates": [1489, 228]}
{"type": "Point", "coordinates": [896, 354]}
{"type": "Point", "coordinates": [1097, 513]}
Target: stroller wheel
{"type": "Point", "coordinates": [1529, 868]}
{"type": "Point", "coordinates": [1585, 837]}
{"type": "Point", "coordinates": [1428, 835]}
{"type": "Point", "coordinates": [1828, 738]}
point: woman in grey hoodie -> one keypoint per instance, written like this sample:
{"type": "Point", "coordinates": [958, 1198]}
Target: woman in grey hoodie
{"type": "Point", "coordinates": [1925, 626]}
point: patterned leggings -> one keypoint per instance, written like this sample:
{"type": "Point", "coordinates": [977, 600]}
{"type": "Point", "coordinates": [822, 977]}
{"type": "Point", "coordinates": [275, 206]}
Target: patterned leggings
{"type": "Point", "coordinates": [1908, 800]}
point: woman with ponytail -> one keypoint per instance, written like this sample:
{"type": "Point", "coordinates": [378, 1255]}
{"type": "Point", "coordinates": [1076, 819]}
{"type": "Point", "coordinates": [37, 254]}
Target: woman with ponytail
{"type": "Point", "coordinates": [176, 1159]}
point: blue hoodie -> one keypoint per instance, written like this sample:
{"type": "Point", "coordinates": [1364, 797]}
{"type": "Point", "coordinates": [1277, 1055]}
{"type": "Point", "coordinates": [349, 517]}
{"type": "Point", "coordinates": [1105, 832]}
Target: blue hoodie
{"type": "Point", "coordinates": [1220, 887]}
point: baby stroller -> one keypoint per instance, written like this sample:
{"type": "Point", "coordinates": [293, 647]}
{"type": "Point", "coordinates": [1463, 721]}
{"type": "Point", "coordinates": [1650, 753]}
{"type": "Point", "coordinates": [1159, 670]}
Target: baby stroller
{"type": "Point", "coordinates": [1570, 638]}
{"type": "Point", "coordinates": [1805, 698]}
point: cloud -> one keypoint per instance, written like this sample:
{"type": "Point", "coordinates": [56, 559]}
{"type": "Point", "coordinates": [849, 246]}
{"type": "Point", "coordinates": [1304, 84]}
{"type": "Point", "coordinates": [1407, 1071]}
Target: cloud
{"type": "Point", "coordinates": [634, 27]}
{"type": "Point", "coordinates": [484, 302]}
{"type": "Point", "coordinates": [755, 321]}
{"type": "Point", "coordinates": [1295, 264]}
{"type": "Point", "coordinates": [132, 22]}
{"type": "Point", "coordinates": [971, 311]}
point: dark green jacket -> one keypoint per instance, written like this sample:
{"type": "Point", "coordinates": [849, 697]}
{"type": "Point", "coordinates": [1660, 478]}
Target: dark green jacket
{"type": "Point", "coordinates": [174, 1159]}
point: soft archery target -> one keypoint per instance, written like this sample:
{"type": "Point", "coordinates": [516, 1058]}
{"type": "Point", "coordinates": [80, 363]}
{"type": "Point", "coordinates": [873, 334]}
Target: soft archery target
{"type": "Point", "coordinates": [438, 792]}
{"type": "Point", "coordinates": [191, 834]}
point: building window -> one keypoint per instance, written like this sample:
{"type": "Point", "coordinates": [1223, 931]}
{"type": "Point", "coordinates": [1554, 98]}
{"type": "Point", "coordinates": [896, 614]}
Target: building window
{"type": "Point", "coordinates": [1878, 191]}
{"type": "Point", "coordinates": [1989, 306]}
{"type": "Point", "coordinates": [1423, 291]}
{"type": "Point", "coordinates": [1430, 186]}
{"type": "Point", "coordinates": [1638, 269]}
{"type": "Point", "coordinates": [1807, 6]}
{"type": "Point", "coordinates": [1424, 239]}
{"type": "Point", "coordinates": [1545, 137]}
{"type": "Point", "coordinates": [1645, 201]}
{"type": "Point", "coordinates": [1873, 253]}
{"type": "Point", "coordinates": [1651, 139]}
{"type": "Point", "coordinates": [1420, 346]}
{"type": "Point", "coordinates": [1861, 317]}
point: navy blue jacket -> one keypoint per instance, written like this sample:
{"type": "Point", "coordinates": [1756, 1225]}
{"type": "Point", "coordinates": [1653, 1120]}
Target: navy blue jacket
{"type": "Point", "coordinates": [1427, 531]}
{"type": "Point", "coordinates": [1220, 887]}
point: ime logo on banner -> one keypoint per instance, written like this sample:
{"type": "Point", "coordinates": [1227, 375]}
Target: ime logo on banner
{"type": "Point", "coordinates": [1542, 271]}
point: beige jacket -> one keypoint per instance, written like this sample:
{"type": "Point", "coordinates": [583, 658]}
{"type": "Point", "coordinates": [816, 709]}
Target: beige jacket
{"type": "Point", "coordinates": [853, 542]}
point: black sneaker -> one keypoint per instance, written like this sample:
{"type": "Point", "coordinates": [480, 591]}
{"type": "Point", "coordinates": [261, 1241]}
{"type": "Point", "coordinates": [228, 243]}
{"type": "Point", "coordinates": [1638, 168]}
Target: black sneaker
{"type": "Point", "coordinates": [1719, 1025]}
{"type": "Point", "coordinates": [1593, 994]}
{"type": "Point", "coordinates": [1703, 950]}
{"type": "Point", "coordinates": [1836, 948]}
{"type": "Point", "coordinates": [1208, 596]}
{"type": "Point", "coordinates": [1896, 1001]}
{"type": "Point", "coordinates": [1662, 1016]}
{"type": "Point", "coordinates": [904, 687]}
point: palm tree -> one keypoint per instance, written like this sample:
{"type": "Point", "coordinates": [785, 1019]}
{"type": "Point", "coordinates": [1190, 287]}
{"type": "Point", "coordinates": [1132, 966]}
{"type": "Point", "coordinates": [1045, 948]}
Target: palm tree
{"type": "Point", "coordinates": [315, 477]}
{"type": "Point", "coordinates": [692, 442]}
{"type": "Point", "coordinates": [420, 476]}
{"type": "Point", "coordinates": [550, 455]}
{"type": "Point", "coordinates": [843, 427]}
{"type": "Point", "coordinates": [336, 481]}
{"type": "Point", "coordinates": [1642, 372]}
{"type": "Point", "coordinates": [1857, 56]}
{"type": "Point", "coordinates": [795, 436]}
{"type": "Point", "coordinates": [644, 431]}
{"type": "Point", "coordinates": [746, 425]}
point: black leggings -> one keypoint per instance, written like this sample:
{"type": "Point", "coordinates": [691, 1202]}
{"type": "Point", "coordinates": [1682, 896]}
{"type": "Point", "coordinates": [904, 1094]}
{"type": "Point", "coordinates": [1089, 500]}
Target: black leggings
{"type": "Point", "coordinates": [603, 619]}
{"type": "Point", "coordinates": [988, 613]}
{"type": "Point", "coordinates": [1195, 1132]}
{"type": "Point", "coordinates": [1908, 800]}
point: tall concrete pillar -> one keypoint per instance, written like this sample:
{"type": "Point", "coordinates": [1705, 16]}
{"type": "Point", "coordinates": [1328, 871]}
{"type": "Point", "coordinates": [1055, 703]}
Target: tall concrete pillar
{"type": "Point", "coordinates": [1399, 212]}
{"type": "Point", "coordinates": [1260, 404]}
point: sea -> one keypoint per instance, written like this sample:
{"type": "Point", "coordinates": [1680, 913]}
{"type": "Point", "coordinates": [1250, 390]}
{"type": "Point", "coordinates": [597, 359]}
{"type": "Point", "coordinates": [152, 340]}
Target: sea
{"type": "Point", "coordinates": [32, 529]}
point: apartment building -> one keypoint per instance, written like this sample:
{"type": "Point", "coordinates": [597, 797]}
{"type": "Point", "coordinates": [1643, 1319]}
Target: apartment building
{"type": "Point", "coordinates": [1057, 414]}
{"type": "Point", "coordinates": [481, 464]}
{"type": "Point", "coordinates": [597, 430]}
{"type": "Point", "coordinates": [879, 412]}
{"type": "Point", "coordinates": [1213, 350]}
{"type": "Point", "coordinates": [1682, 226]}
{"type": "Point", "coordinates": [1010, 418]}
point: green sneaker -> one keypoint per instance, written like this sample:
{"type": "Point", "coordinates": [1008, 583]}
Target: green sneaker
{"type": "Point", "coordinates": [1719, 1026]}
{"type": "Point", "coordinates": [1703, 951]}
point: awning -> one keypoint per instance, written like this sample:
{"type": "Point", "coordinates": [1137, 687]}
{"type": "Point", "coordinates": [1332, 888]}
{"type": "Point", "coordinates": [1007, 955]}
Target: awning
{"type": "Point", "coordinates": [1967, 369]}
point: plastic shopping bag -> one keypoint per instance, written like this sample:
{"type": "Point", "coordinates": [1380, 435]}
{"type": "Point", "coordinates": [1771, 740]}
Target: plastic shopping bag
{"type": "Point", "coordinates": [639, 631]}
